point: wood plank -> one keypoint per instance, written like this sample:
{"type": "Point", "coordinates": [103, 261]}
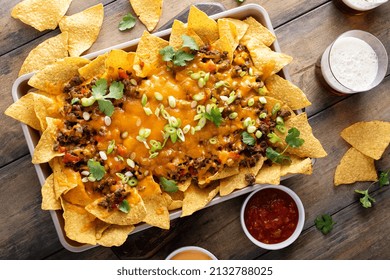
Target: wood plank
{"type": "Point", "coordinates": [26, 231]}
{"type": "Point", "coordinates": [355, 236]}
{"type": "Point", "coordinates": [98, 253]}
{"type": "Point", "coordinates": [306, 38]}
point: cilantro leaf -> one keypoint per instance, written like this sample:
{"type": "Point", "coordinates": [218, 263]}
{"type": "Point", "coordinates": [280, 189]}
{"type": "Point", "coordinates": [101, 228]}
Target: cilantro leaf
{"type": "Point", "coordinates": [324, 223]}
{"type": "Point", "coordinates": [168, 185]}
{"type": "Point", "coordinates": [292, 138]}
{"type": "Point", "coordinates": [99, 89]}
{"type": "Point", "coordinates": [276, 157]}
{"type": "Point", "coordinates": [124, 206]}
{"type": "Point", "coordinates": [116, 90]}
{"type": "Point", "coordinates": [189, 42]}
{"type": "Point", "coordinates": [167, 53]}
{"type": "Point", "coordinates": [96, 169]}
{"type": "Point", "coordinates": [181, 57]}
{"type": "Point", "coordinates": [215, 116]}
{"type": "Point", "coordinates": [127, 22]}
{"type": "Point", "coordinates": [248, 139]}
{"type": "Point", "coordinates": [106, 107]}
{"type": "Point", "coordinates": [384, 179]}
{"type": "Point", "coordinates": [366, 200]}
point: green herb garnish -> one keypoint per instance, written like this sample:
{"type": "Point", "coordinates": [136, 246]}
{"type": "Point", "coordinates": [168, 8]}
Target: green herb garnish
{"type": "Point", "coordinates": [324, 223]}
{"type": "Point", "coordinates": [367, 200]}
{"type": "Point", "coordinates": [248, 139]}
{"type": "Point", "coordinates": [168, 185]}
{"type": "Point", "coordinates": [124, 206]}
{"type": "Point", "coordinates": [180, 57]}
{"type": "Point", "coordinates": [96, 169]}
{"type": "Point", "coordinates": [127, 22]}
{"type": "Point", "coordinates": [99, 94]}
{"type": "Point", "coordinates": [215, 116]}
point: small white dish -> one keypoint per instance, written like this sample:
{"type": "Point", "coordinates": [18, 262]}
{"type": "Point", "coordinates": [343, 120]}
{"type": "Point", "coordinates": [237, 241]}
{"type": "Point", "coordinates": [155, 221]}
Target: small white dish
{"type": "Point", "coordinates": [294, 235]}
{"type": "Point", "coordinates": [191, 249]}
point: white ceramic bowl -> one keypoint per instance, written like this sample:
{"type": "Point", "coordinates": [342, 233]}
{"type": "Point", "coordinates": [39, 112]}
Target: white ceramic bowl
{"type": "Point", "coordinates": [298, 229]}
{"type": "Point", "coordinates": [191, 248]}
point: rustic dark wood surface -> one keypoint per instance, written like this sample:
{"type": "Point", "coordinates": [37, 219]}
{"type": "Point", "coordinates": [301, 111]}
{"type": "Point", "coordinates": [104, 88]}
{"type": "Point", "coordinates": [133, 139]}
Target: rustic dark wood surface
{"type": "Point", "coordinates": [304, 29]}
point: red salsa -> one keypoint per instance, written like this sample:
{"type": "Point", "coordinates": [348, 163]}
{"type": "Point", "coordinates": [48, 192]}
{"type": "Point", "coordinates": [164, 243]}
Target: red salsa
{"type": "Point", "coordinates": [271, 216]}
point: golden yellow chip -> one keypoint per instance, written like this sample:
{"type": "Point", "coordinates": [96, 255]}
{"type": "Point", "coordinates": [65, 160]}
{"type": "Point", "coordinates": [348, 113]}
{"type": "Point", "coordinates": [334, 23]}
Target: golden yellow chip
{"type": "Point", "coordinates": [45, 107]}
{"type": "Point", "coordinates": [354, 167]}
{"type": "Point", "coordinates": [44, 150]}
{"type": "Point", "coordinates": [135, 215]}
{"type": "Point", "coordinates": [265, 60]}
{"type": "Point", "coordinates": [148, 55]}
{"type": "Point", "coordinates": [196, 198]}
{"type": "Point", "coordinates": [100, 227]}
{"type": "Point", "coordinates": [298, 166]}
{"type": "Point", "coordinates": [46, 53]}
{"type": "Point", "coordinates": [83, 28]}
{"type": "Point", "coordinates": [184, 185]}
{"type": "Point", "coordinates": [41, 14]}
{"type": "Point", "coordinates": [78, 195]}
{"type": "Point", "coordinates": [23, 111]}
{"type": "Point", "coordinates": [239, 181]}
{"type": "Point", "coordinates": [224, 173]}
{"type": "Point", "coordinates": [223, 45]}
{"type": "Point", "coordinates": [370, 138]}
{"type": "Point", "coordinates": [53, 77]}
{"type": "Point", "coordinates": [114, 235]}
{"type": "Point", "coordinates": [205, 27]}
{"type": "Point", "coordinates": [311, 148]}
{"type": "Point", "coordinates": [256, 31]}
{"type": "Point", "coordinates": [179, 29]}
{"type": "Point", "coordinates": [269, 174]}
{"type": "Point", "coordinates": [64, 178]}
{"type": "Point", "coordinates": [118, 59]}
{"type": "Point", "coordinates": [95, 68]}
{"type": "Point", "coordinates": [49, 200]}
{"type": "Point", "coordinates": [79, 224]}
{"type": "Point", "coordinates": [283, 89]}
{"type": "Point", "coordinates": [148, 11]}
{"type": "Point", "coordinates": [233, 29]}
{"type": "Point", "coordinates": [175, 200]}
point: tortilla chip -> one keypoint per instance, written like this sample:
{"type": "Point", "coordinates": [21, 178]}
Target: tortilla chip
{"type": "Point", "coordinates": [78, 195]}
{"type": "Point", "coordinates": [53, 77]}
{"type": "Point", "coordinates": [265, 60]}
{"type": "Point", "coordinates": [311, 148]}
{"type": "Point", "coordinates": [23, 111]}
{"type": "Point", "coordinates": [271, 102]}
{"type": "Point", "coordinates": [119, 59]}
{"type": "Point", "coordinates": [269, 174]}
{"type": "Point", "coordinates": [258, 32]}
{"type": "Point", "coordinates": [136, 214]}
{"type": "Point", "coordinates": [370, 138]}
{"type": "Point", "coordinates": [100, 227]}
{"type": "Point", "coordinates": [223, 45]}
{"type": "Point", "coordinates": [95, 68]}
{"type": "Point", "coordinates": [355, 166]}
{"type": "Point", "coordinates": [45, 54]}
{"type": "Point", "coordinates": [233, 29]}
{"type": "Point", "coordinates": [176, 200]}
{"type": "Point", "coordinates": [184, 185]}
{"type": "Point", "coordinates": [179, 29]}
{"type": "Point", "coordinates": [298, 166]}
{"type": "Point", "coordinates": [148, 54]}
{"type": "Point", "coordinates": [283, 89]}
{"type": "Point", "coordinates": [224, 173]}
{"type": "Point", "coordinates": [114, 235]}
{"type": "Point", "coordinates": [83, 28]}
{"type": "Point", "coordinates": [148, 11]}
{"type": "Point", "coordinates": [237, 182]}
{"type": "Point", "coordinates": [45, 107]}
{"type": "Point", "coordinates": [41, 14]}
{"type": "Point", "coordinates": [44, 151]}
{"type": "Point", "coordinates": [196, 198]}
{"type": "Point", "coordinates": [65, 178]}
{"type": "Point", "coordinates": [205, 27]}
{"type": "Point", "coordinates": [49, 200]}
{"type": "Point", "coordinates": [79, 224]}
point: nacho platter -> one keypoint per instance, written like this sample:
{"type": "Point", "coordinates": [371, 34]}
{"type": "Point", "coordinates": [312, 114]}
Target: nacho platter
{"type": "Point", "coordinates": [20, 88]}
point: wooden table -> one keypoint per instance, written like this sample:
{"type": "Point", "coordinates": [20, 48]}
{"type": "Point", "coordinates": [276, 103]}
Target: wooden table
{"type": "Point", "coordinates": [304, 29]}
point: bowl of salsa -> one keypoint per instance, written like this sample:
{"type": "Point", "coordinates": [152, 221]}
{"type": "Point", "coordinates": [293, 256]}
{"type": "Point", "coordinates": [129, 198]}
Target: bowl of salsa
{"type": "Point", "coordinates": [272, 217]}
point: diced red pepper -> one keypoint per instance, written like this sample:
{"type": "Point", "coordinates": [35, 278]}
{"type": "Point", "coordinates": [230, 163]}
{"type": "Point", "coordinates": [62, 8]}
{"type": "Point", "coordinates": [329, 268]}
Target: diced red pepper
{"type": "Point", "coordinates": [122, 74]}
{"type": "Point", "coordinates": [122, 151]}
{"type": "Point", "coordinates": [69, 158]}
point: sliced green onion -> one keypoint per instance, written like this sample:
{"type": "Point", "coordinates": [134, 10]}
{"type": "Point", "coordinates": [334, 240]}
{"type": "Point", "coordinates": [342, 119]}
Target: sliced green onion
{"type": "Point", "coordinates": [75, 100]}
{"type": "Point", "coordinates": [111, 147]}
{"type": "Point", "coordinates": [206, 77]}
{"type": "Point", "coordinates": [124, 178]}
{"type": "Point", "coordinates": [186, 128]}
{"type": "Point", "coordinates": [124, 134]}
{"type": "Point", "coordinates": [243, 73]}
{"type": "Point", "coordinates": [220, 84]}
{"type": "Point", "coordinates": [195, 76]}
{"type": "Point", "coordinates": [251, 129]}
{"type": "Point", "coordinates": [200, 109]}
{"type": "Point", "coordinates": [202, 122]}
{"type": "Point", "coordinates": [273, 138]}
{"type": "Point", "coordinates": [251, 71]}
{"type": "Point", "coordinates": [130, 163]}
{"type": "Point", "coordinates": [251, 102]}
{"type": "Point", "coordinates": [276, 108]}
{"type": "Point", "coordinates": [198, 116]}
{"type": "Point", "coordinates": [158, 96]}
{"type": "Point", "coordinates": [165, 114]}
{"type": "Point", "coordinates": [144, 99]}
{"type": "Point", "coordinates": [263, 115]}
{"type": "Point", "coordinates": [148, 111]}
{"type": "Point", "coordinates": [133, 82]}
{"type": "Point", "coordinates": [258, 134]}
{"type": "Point", "coordinates": [247, 122]}
{"type": "Point", "coordinates": [281, 128]}
{"type": "Point", "coordinates": [201, 82]}
{"type": "Point", "coordinates": [153, 155]}
{"type": "Point", "coordinates": [199, 96]}
{"type": "Point", "coordinates": [86, 102]}
{"type": "Point", "coordinates": [180, 134]}
{"type": "Point", "coordinates": [132, 182]}
{"type": "Point", "coordinates": [192, 130]}
{"type": "Point", "coordinates": [171, 101]}
{"type": "Point", "coordinates": [169, 129]}
{"type": "Point", "coordinates": [263, 100]}
{"type": "Point", "coordinates": [233, 115]}
{"type": "Point", "coordinates": [213, 140]}
{"type": "Point", "coordinates": [262, 91]}
{"type": "Point", "coordinates": [157, 112]}
{"type": "Point", "coordinates": [279, 120]}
